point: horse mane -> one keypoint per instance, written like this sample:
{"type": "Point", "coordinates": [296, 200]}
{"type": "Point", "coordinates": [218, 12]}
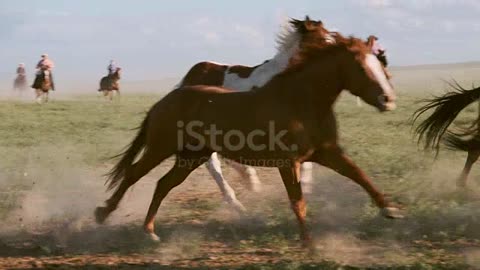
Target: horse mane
{"type": "Point", "coordinates": [287, 38]}
{"type": "Point", "coordinates": [316, 45]}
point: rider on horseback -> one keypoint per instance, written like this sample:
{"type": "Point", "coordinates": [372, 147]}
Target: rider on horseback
{"type": "Point", "coordinates": [378, 51]}
{"type": "Point", "coordinates": [21, 70]}
{"type": "Point", "coordinates": [112, 68]}
{"type": "Point", "coordinates": [44, 68]}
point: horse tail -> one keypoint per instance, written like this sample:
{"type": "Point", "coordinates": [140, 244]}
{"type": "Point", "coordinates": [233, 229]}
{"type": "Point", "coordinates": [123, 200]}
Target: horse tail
{"type": "Point", "coordinates": [446, 109]}
{"type": "Point", "coordinates": [457, 142]}
{"type": "Point", "coordinates": [120, 170]}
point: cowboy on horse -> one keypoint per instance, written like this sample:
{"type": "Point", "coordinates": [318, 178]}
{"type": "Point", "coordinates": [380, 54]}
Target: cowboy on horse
{"type": "Point", "coordinates": [20, 82]}
{"type": "Point", "coordinates": [44, 69]}
{"type": "Point", "coordinates": [112, 67]}
{"type": "Point", "coordinates": [109, 83]}
{"type": "Point", "coordinates": [377, 49]}
{"type": "Point", "coordinates": [21, 70]}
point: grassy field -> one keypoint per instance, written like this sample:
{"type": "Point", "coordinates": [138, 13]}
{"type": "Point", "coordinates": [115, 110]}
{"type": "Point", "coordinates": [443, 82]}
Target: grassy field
{"type": "Point", "coordinates": [53, 157]}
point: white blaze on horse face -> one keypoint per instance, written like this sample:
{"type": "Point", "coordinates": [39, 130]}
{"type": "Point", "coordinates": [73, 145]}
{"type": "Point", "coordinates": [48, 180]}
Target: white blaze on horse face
{"type": "Point", "coordinates": [379, 74]}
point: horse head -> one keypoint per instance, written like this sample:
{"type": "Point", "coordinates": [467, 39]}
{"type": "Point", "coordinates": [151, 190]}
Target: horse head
{"type": "Point", "coordinates": [308, 28]}
{"type": "Point", "coordinates": [346, 64]}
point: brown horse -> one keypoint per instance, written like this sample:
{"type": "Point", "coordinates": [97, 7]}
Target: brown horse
{"type": "Point", "coordinates": [109, 83]}
{"type": "Point", "coordinates": [445, 109]}
{"type": "Point", "coordinates": [20, 83]}
{"type": "Point", "coordinates": [287, 121]}
{"type": "Point", "coordinates": [42, 85]}
{"type": "Point", "coordinates": [245, 78]}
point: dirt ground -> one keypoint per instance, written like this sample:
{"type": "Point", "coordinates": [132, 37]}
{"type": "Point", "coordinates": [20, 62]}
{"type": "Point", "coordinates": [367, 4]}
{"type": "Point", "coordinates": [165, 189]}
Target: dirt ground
{"type": "Point", "coordinates": [199, 231]}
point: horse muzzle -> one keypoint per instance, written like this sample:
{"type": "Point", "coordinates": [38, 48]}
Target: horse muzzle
{"type": "Point", "coordinates": [386, 103]}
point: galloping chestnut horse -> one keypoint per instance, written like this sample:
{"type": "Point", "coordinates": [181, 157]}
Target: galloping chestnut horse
{"type": "Point", "coordinates": [297, 104]}
{"type": "Point", "coordinates": [244, 78]}
{"type": "Point", "coordinates": [109, 83]}
{"type": "Point", "coordinates": [446, 109]}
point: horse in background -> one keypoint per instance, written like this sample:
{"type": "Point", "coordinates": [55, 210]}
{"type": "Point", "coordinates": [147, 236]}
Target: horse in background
{"type": "Point", "coordinates": [20, 83]}
{"type": "Point", "coordinates": [109, 84]}
{"type": "Point", "coordinates": [246, 78]}
{"type": "Point", "coordinates": [298, 101]}
{"type": "Point", "coordinates": [434, 129]}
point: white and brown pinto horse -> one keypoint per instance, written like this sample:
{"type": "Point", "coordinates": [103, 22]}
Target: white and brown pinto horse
{"type": "Point", "coordinates": [245, 78]}
{"type": "Point", "coordinates": [299, 102]}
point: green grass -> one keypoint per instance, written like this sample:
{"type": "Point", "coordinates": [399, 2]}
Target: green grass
{"type": "Point", "coordinates": [85, 131]}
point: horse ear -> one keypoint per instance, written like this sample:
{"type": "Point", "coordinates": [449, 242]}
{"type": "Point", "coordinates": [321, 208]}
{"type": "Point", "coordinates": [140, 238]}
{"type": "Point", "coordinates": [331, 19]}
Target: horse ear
{"type": "Point", "coordinates": [369, 42]}
{"type": "Point", "coordinates": [308, 24]}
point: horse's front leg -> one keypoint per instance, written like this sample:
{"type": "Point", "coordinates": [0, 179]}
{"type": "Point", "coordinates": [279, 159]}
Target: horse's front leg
{"type": "Point", "coordinates": [335, 159]}
{"type": "Point", "coordinates": [38, 97]}
{"type": "Point", "coordinates": [291, 180]}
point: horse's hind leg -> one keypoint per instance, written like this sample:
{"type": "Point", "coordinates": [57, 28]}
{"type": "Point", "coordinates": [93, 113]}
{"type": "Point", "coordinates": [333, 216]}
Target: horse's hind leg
{"type": "Point", "coordinates": [147, 162]}
{"type": "Point", "coordinates": [186, 162]}
{"type": "Point", "coordinates": [248, 172]}
{"type": "Point", "coordinates": [471, 159]}
{"type": "Point", "coordinates": [215, 169]}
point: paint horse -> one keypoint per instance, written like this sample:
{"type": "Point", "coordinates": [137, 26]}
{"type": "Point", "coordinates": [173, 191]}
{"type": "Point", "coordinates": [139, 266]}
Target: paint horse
{"type": "Point", "coordinates": [244, 78]}
{"type": "Point", "coordinates": [297, 102]}
{"type": "Point", "coordinates": [434, 129]}
{"type": "Point", "coordinates": [109, 83]}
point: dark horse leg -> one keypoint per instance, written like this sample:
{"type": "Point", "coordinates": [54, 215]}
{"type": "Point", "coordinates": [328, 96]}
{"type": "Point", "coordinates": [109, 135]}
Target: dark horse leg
{"type": "Point", "coordinates": [149, 160]}
{"type": "Point", "coordinates": [471, 159]}
{"type": "Point", "coordinates": [334, 158]}
{"type": "Point", "coordinates": [291, 180]}
{"type": "Point", "coordinates": [186, 162]}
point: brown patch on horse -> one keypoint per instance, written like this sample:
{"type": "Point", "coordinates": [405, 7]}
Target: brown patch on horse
{"type": "Point", "coordinates": [205, 73]}
{"type": "Point", "coordinates": [241, 71]}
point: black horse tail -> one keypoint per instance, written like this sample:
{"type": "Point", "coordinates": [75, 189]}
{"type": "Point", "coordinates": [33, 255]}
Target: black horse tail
{"type": "Point", "coordinates": [459, 142]}
{"type": "Point", "coordinates": [446, 109]}
{"type": "Point", "coordinates": [120, 170]}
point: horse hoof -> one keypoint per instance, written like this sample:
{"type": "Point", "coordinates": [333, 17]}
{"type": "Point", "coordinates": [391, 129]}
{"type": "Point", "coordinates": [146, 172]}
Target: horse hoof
{"type": "Point", "coordinates": [237, 206]}
{"type": "Point", "coordinates": [101, 214]}
{"type": "Point", "coordinates": [307, 242]}
{"type": "Point", "coordinates": [391, 212]}
{"type": "Point", "coordinates": [153, 237]}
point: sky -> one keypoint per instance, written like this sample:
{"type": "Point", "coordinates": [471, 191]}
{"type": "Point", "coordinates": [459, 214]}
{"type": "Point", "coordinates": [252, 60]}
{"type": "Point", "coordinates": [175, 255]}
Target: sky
{"type": "Point", "coordinates": [152, 40]}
